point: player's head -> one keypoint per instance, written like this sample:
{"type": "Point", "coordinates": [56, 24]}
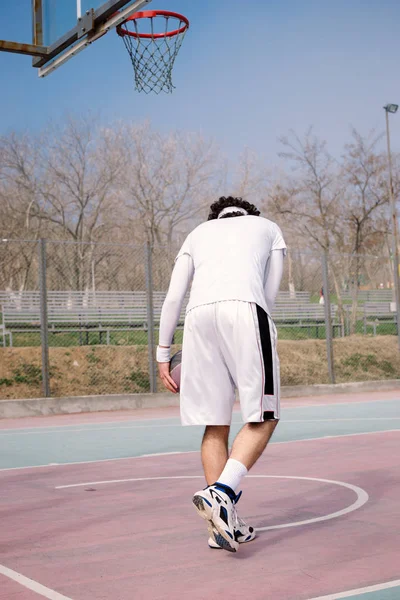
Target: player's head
{"type": "Point", "coordinates": [225, 207]}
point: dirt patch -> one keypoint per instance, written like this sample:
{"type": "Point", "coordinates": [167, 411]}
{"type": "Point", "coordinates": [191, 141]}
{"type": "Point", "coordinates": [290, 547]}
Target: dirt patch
{"type": "Point", "coordinates": [88, 370]}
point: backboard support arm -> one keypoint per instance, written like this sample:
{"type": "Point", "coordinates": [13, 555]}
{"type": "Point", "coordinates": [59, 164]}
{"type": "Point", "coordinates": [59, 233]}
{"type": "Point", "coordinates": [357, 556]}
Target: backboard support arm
{"type": "Point", "coordinates": [18, 48]}
{"type": "Point", "coordinates": [36, 48]}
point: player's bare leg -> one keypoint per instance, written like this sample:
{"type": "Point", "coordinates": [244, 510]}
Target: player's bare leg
{"type": "Point", "coordinates": [214, 451]}
{"type": "Point", "coordinates": [251, 442]}
{"type": "Point", "coordinates": [215, 457]}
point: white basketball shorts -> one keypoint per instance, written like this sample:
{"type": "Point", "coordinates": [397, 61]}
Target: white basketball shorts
{"type": "Point", "coordinates": [229, 345]}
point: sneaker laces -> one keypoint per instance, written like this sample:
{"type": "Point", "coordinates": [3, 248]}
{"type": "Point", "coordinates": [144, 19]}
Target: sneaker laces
{"type": "Point", "coordinates": [240, 522]}
{"type": "Point", "coordinates": [237, 520]}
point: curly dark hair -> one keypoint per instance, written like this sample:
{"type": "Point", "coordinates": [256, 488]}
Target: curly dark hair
{"type": "Point", "coordinates": [224, 202]}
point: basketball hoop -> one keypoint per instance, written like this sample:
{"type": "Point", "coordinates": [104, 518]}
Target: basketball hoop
{"type": "Point", "coordinates": [153, 39]}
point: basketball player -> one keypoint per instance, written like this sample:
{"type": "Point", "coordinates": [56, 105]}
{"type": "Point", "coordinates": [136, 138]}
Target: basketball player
{"type": "Point", "coordinates": [234, 262]}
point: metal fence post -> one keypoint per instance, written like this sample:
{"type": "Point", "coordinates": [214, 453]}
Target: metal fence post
{"type": "Point", "coordinates": [150, 318]}
{"type": "Point", "coordinates": [43, 319]}
{"type": "Point", "coordinates": [328, 321]}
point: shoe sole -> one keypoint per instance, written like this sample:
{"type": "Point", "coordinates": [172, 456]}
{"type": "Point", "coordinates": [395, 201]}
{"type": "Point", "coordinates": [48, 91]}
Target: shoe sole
{"type": "Point", "coordinates": [205, 511]}
{"type": "Point", "coordinates": [242, 542]}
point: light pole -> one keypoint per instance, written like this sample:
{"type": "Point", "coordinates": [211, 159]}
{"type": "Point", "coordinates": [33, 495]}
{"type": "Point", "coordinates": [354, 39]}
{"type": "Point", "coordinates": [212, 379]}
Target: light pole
{"type": "Point", "coordinates": [392, 108]}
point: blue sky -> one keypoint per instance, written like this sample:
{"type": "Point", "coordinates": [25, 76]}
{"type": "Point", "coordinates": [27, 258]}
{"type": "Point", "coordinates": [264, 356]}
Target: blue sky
{"type": "Point", "coordinates": [247, 73]}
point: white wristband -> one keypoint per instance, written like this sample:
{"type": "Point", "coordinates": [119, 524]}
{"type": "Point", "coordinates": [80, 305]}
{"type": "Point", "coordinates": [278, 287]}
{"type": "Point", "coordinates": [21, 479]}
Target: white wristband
{"type": "Point", "coordinates": [163, 354]}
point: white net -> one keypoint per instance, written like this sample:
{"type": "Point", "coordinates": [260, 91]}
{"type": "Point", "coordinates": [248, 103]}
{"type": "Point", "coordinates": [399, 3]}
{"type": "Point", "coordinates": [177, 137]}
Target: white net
{"type": "Point", "coordinates": [153, 40]}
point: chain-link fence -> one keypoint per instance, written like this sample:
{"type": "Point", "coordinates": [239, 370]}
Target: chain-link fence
{"type": "Point", "coordinates": [82, 319]}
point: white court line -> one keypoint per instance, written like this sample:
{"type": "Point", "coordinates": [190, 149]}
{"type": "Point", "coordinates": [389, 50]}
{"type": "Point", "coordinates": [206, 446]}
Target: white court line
{"type": "Point", "coordinates": [362, 496]}
{"type": "Point", "coordinates": [174, 425]}
{"type": "Point", "coordinates": [150, 420]}
{"type": "Point", "coordinates": [342, 435]}
{"type": "Point", "coordinates": [32, 585]}
{"type": "Point", "coordinates": [365, 590]}
{"type": "Point", "coordinates": [95, 429]}
{"type": "Point", "coordinates": [107, 481]}
{"type": "Point", "coordinates": [101, 460]}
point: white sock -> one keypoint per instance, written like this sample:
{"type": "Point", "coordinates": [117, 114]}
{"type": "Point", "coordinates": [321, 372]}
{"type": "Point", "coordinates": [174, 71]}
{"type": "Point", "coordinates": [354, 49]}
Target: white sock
{"type": "Point", "coordinates": [232, 474]}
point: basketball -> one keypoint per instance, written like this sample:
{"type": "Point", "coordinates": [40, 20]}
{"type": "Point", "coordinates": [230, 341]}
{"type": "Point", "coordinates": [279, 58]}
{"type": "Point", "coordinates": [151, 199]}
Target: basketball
{"type": "Point", "coordinates": [175, 368]}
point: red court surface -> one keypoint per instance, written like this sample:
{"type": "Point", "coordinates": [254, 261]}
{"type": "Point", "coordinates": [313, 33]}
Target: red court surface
{"type": "Point", "coordinates": [127, 529]}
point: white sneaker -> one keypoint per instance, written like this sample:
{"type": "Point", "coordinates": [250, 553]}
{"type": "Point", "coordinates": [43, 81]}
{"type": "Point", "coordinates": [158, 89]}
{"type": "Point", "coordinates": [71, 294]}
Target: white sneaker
{"type": "Point", "coordinates": [215, 506]}
{"type": "Point", "coordinates": [243, 534]}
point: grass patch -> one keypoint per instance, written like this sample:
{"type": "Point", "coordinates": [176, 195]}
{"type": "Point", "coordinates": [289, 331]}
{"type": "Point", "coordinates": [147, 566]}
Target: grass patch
{"type": "Point", "coordinates": [92, 357]}
{"type": "Point", "coordinates": [367, 362]}
{"type": "Point", "coordinates": [28, 373]}
{"type": "Point", "coordinates": [139, 378]}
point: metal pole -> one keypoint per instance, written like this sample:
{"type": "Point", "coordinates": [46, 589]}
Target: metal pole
{"type": "Point", "coordinates": [43, 319]}
{"type": "Point", "coordinates": [328, 322]}
{"type": "Point", "coordinates": [150, 319]}
{"type": "Point", "coordinates": [395, 235]}
{"type": "Point", "coordinates": [93, 283]}
{"type": "Point", "coordinates": [37, 22]}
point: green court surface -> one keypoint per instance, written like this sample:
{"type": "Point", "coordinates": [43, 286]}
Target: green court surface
{"type": "Point", "coordinates": [390, 594]}
{"type": "Point", "coordinates": [109, 440]}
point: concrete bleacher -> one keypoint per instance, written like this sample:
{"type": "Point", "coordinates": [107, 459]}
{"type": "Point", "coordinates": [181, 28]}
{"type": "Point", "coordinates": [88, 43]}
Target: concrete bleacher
{"type": "Point", "coordinates": [104, 312]}
{"type": "Point", "coordinates": [108, 299]}
{"type": "Point", "coordinates": [80, 320]}
{"type": "Point", "coordinates": [376, 314]}
{"type": "Point", "coordinates": [72, 299]}
{"type": "Point", "coordinates": [127, 299]}
{"type": "Point", "coordinates": [381, 295]}
{"type": "Point", "coordinates": [79, 312]}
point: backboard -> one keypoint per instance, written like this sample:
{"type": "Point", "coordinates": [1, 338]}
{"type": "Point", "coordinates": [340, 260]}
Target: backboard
{"type": "Point", "coordinates": [62, 28]}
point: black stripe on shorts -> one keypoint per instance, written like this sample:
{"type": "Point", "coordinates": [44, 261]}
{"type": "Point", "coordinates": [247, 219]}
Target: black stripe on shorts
{"type": "Point", "coordinates": [266, 347]}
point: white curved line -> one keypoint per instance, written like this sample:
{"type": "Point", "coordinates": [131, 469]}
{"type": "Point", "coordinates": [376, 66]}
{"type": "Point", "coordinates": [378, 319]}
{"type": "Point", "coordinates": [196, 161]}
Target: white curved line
{"type": "Point", "coordinates": [107, 481]}
{"type": "Point", "coordinates": [362, 496]}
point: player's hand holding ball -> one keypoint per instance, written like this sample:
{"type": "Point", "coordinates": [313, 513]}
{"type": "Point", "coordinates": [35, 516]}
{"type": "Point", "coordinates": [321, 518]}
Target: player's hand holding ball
{"type": "Point", "coordinates": [169, 383]}
{"type": "Point", "coordinates": [170, 372]}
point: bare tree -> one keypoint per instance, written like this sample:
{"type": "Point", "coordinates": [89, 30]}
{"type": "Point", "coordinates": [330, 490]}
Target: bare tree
{"type": "Point", "coordinates": [310, 198]}
{"type": "Point", "coordinates": [82, 164]}
{"type": "Point", "coordinates": [168, 180]}
{"type": "Point", "coordinates": [250, 178]}
{"type": "Point", "coordinates": [19, 166]}
{"type": "Point", "coordinates": [364, 172]}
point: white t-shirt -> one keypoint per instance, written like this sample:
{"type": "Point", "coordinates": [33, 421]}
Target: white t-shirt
{"type": "Point", "coordinates": [230, 258]}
